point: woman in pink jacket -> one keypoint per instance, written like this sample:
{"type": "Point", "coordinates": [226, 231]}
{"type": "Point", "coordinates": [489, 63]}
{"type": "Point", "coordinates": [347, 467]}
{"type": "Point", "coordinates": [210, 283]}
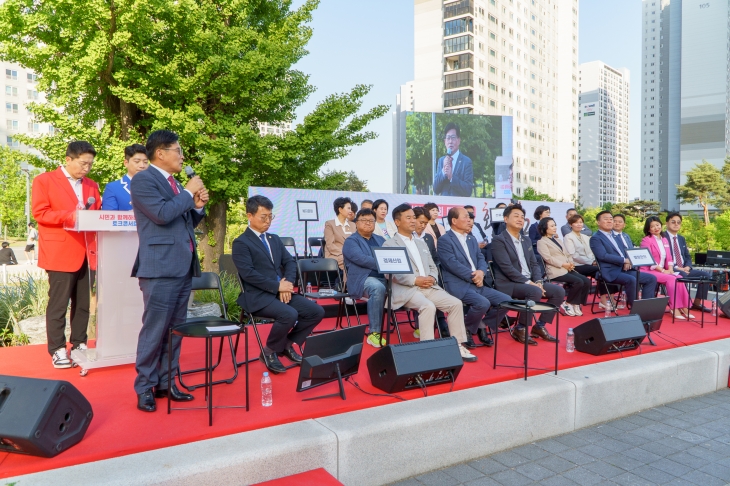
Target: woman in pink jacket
{"type": "Point", "coordinates": [664, 269]}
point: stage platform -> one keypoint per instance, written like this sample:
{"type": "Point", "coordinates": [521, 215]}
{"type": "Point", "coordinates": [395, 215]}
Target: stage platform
{"type": "Point", "coordinates": [119, 429]}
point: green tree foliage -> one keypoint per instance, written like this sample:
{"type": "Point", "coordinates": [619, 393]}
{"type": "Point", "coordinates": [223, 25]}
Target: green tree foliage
{"type": "Point", "coordinates": [212, 71]}
{"type": "Point", "coordinates": [419, 147]}
{"type": "Point", "coordinates": [705, 186]}
{"type": "Point", "coordinates": [12, 190]}
{"type": "Point", "coordinates": [338, 180]}
{"type": "Point", "coordinates": [530, 194]}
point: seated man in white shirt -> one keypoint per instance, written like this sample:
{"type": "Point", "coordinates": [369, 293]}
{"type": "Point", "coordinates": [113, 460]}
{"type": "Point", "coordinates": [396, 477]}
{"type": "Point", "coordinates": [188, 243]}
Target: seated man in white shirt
{"type": "Point", "coordinates": [419, 290]}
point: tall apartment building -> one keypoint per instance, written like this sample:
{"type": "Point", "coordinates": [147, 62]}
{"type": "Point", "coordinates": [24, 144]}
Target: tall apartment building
{"type": "Point", "coordinates": [603, 134]}
{"type": "Point", "coordinates": [685, 92]}
{"type": "Point", "coordinates": [19, 89]}
{"type": "Point", "coordinates": [514, 58]}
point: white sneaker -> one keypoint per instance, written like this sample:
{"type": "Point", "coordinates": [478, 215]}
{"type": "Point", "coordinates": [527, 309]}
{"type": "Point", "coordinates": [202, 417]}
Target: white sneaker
{"type": "Point", "coordinates": [578, 311]}
{"type": "Point", "coordinates": [60, 359]}
{"type": "Point", "coordinates": [466, 355]}
{"type": "Point", "coordinates": [567, 309]}
{"type": "Point", "coordinates": [81, 346]}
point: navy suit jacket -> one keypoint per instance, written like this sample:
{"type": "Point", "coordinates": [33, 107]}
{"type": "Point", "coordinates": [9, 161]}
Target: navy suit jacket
{"type": "Point", "coordinates": [455, 265]}
{"type": "Point", "coordinates": [165, 227]}
{"type": "Point", "coordinates": [626, 238]}
{"type": "Point", "coordinates": [611, 261]}
{"type": "Point", "coordinates": [507, 268]}
{"type": "Point", "coordinates": [261, 274]}
{"type": "Point", "coordinates": [117, 195]}
{"type": "Point", "coordinates": [462, 179]}
{"type": "Point", "coordinates": [359, 262]}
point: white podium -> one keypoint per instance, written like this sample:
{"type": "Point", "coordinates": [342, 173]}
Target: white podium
{"type": "Point", "coordinates": [111, 240]}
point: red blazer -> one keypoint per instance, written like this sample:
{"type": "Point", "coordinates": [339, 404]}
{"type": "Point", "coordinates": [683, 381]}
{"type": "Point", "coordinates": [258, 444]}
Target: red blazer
{"type": "Point", "coordinates": [651, 243]}
{"type": "Point", "coordinates": [53, 203]}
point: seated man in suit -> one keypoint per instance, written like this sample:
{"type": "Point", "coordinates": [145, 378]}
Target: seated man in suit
{"type": "Point", "coordinates": [683, 260]}
{"type": "Point", "coordinates": [267, 271]}
{"type": "Point", "coordinates": [464, 270]}
{"type": "Point", "coordinates": [615, 266]}
{"type": "Point", "coordinates": [422, 220]}
{"type": "Point", "coordinates": [565, 229]}
{"type": "Point", "coordinates": [363, 279]}
{"type": "Point", "coordinates": [517, 273]}
{"type": "Point", "coordinates": [419, 290]}
{"type": "Point", "coordinates": [619, 223]}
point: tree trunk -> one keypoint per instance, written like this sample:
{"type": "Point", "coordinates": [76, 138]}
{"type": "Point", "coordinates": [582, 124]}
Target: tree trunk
{"type": "Point", "coordinates": [214, 228]}
{"type": "Point", "coordinates": [127, 116]}
{"type": "Point", "coordinates": [707, 214]}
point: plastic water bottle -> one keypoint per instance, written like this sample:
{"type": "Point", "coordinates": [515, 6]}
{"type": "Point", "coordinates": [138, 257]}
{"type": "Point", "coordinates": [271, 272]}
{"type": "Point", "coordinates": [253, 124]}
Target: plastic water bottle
{"type": "Point", "coordinates": [608, 309]}
{"type": "Point", "coordinates": [309, 290]}
{"type": "Point", "coordinates": [570, 341]}
{"type": "Point", "coordinates": [267, 397]}
{"type": "Point", "coordinates": [714, 308]}
{"type": "Point", "coordinates": [621, 303]}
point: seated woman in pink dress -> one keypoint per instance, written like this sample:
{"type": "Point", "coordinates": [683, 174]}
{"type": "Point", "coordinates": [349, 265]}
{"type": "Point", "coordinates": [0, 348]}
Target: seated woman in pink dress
{"type": "Point", "coordinates": [664, 269]}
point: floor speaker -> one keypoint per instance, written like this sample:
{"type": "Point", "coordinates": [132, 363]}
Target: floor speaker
{"type": "Point", "coordinates": [41, 417]}
{"type": "Point", "coordinates": [606, 335]}
{"type": "Point", "coordinates": [415, 365]}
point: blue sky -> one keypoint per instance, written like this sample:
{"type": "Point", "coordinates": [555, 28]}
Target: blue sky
{"type": "Point", "coordinates": [371, 42]}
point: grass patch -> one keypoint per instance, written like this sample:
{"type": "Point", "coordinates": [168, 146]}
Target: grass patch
{"type": "Point", "coordinates": [25, 297]}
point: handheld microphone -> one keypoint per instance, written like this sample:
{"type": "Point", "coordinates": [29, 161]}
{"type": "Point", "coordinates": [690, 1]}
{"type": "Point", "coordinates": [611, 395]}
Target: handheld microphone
{"type": "Point", "coordinates": [448, 152]}
{"type": "Point", "coordinates": [189, 172]}
{"type": "Point", "coordinates": [90, 202]}
{"type": "Point", "coordinates": [526, 303]}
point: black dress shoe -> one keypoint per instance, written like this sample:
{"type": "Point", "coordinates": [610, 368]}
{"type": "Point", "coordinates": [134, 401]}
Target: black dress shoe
{"type": "Point", "coordinates": [483, 336]}
{"type": "Point", "coordinates": [541, 332]}
{"type": "Point", "coordinates": [293, 356]}
{"type": "Point", "coordinates": [146, 401]}
{"type": "Point", "coordinates": [469, 341]}
{"type": "Point", "coordinates": [701, 308]}
{"type": "Point", "coordinates": [175, 394]}
{"type": "Point", "coordinates": [520, 335]}
{"type": "Point", "coordinates": [272, 363]}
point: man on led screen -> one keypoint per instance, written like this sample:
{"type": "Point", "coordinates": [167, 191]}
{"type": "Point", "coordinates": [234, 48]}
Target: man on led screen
{"type": "Point", "coordinates": [454, 174]}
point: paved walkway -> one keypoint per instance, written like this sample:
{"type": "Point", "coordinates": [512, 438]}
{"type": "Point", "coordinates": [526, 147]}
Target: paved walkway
{"type": "Point", "coordinates": [685, 442]}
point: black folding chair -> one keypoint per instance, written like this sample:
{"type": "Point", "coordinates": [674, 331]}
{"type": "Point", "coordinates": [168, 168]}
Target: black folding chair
{"type": "Point", "coordinates": [246, 318]}
{"type": "Point", "coordinates": [211, 281]}
{"type": "Point", "coordinates": [289, 242]}
{"type": "Point", "coordinates": [326, 265]}
{"type": "Point", "coordinates": [317, 241]}
{"type": "Point", "coordinates": [610, 288]}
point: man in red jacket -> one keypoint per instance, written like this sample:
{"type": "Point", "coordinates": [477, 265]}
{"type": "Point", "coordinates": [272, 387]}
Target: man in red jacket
{"type": "Point", "coordinates": [63, 254]}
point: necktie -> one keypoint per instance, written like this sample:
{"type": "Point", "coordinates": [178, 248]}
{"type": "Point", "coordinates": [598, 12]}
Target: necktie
{"type": "Point", "coordinates": [262, 236]}
{"type": "Point", "coordinates": [678, 256]}
{"type": "Point", "coordinates": [176, 191]}
{"type": "Point", "coordinates": [173, 185]}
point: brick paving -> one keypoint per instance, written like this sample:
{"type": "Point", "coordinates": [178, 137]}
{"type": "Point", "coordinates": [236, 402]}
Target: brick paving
{"type": "Point", "coordinates": [686, 442]}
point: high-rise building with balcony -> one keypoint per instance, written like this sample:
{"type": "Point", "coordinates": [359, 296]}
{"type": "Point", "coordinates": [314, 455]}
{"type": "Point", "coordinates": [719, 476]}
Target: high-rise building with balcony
{"type": "Point", "coordinates": [685, 92]}
{"type": "Point", "coordinates": [514, 58]}
{"type": "Point", "coordinates": [603, 134]}
{"type": "Point", "coordinates": [20, 88]}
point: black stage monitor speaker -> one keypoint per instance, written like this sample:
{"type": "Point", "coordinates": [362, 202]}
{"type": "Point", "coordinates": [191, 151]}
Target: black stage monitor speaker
{"type": "Point", "coordinates": [412, 365]}
{"type": "Point", "coordinates": [41, 417]}
{"type": "Point", "coordinates": [609, 334]}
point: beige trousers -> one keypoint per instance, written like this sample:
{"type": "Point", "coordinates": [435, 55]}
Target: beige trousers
{"type": "Point", "coordinates": [426, 301]}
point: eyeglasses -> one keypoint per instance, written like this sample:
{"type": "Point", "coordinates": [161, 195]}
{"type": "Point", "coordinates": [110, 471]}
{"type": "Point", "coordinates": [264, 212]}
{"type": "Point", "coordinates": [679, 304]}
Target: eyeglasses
{"type": "Point", "coordinates": [366, 221]}
{"type": "Point", "coordinates": [451, 137]}
{"type": "Point", "coordinates": [267, 217]}
{"type": "Point", "coordinates": [176, 149]}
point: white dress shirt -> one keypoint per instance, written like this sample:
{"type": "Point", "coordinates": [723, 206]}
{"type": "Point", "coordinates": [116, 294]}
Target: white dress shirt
{"type": "Point", "coordinates": [76, 186]}
{"type": "Point", "coordinates": [345, 227]}
{"type": "Point", "coordinates": [662, 252]}
{"type": "Point", "coordinates": [521, 256]}
{"type": "Point", "coordinates": [613, 241]}
{"type": "Point", "coordinates": [462, 240]}
{"type": "Point", "coordinates": [415, 254]}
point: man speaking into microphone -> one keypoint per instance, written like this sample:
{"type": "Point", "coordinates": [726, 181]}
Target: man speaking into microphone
{"type": "Point", "coordinates": [454, 173]}
{"type": "Point", "coordinates": [57, 195]}
{"type": "Point", "coordinates": [167, 215]}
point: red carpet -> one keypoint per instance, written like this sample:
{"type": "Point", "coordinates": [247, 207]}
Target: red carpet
{"type": "Point", "coordinates": [118, 428]}
{"type": "Point", "coordinates": [315, 477]}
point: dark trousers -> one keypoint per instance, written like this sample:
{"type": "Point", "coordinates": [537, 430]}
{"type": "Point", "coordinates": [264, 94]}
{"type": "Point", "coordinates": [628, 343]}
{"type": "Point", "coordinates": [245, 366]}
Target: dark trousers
{"type": "Point", "coordinates": [65, 286]}
{"type": "Point", "coordinates": [483, 303]}
{"type": "Point", "coordinates": [591, 271]}
{"type": "Point", "coordinates": [701, 289]}
{"type": "Point", "coordinates": [578, 287]}
{"type": "Point", "coordinates": [628, 279]}
{"type": "Point", "coordinates": [292, 322]}
{"type": "Point", "coordinates": [554, 293]}
{"type": "Point", "coordinates": [165, 307]}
